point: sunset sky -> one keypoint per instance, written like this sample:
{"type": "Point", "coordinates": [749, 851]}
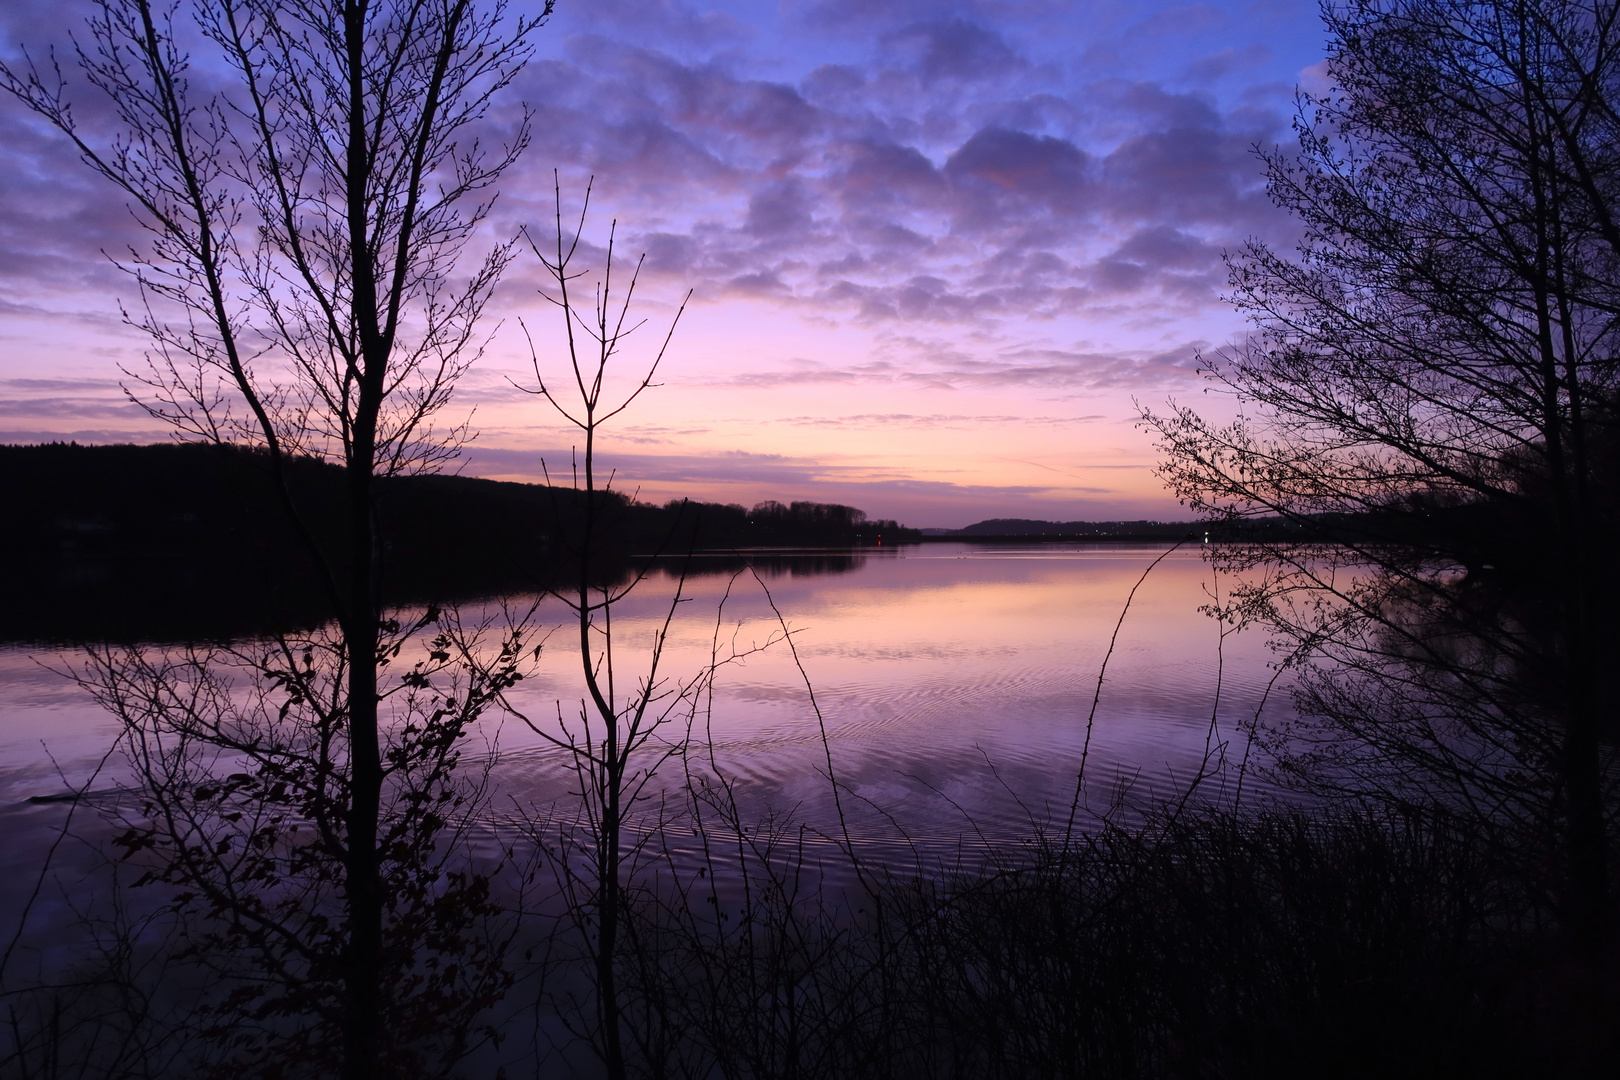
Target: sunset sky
{"type": "Point", "coordinates": [937, 249]}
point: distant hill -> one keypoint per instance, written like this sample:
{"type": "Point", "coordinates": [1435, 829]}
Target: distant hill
{"type": "Point", "coordinates": [1116, 530]}
{"type": "Point", "coordinates": [1396, 526]}
{"type": "Point", "coordinates": [1247, 529]}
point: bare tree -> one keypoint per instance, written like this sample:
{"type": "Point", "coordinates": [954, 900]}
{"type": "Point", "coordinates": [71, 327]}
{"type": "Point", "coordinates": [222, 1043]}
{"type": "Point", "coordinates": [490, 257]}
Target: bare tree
{"type": "Point", "coordinates": [305, 221]}
{"type": "Point", "coordinates": [614, 744]}
{"type": "Point", "coordinates": [1429, 400]}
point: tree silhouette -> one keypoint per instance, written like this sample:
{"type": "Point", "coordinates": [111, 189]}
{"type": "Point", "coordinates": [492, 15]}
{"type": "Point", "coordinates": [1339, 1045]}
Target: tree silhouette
{"type": "Point", "coordinates": [1430, 390]}
{"type": "Point", "coordinates": [307, 191]}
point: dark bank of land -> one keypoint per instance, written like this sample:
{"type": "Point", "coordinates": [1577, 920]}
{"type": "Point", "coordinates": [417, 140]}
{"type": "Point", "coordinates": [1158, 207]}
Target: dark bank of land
{"type": "Point", "coordinates": [183, 541]}
{"type": "Point", "coordinates": [1396, 527]}
{"type": "Point", "coordinates": [177, 541]}
{"type": "Point", "coordinates": [1028, 531]}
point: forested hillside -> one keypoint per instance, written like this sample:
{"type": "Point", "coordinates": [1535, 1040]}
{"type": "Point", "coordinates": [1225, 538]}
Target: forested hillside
{"type": "Point", "coordinates": [138, 540]}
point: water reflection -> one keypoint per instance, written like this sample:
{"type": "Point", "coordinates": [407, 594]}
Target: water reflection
{"type": "Point", "coordinates": [954, 681]}
{"type": "Point", "coordinates": [770, 563]}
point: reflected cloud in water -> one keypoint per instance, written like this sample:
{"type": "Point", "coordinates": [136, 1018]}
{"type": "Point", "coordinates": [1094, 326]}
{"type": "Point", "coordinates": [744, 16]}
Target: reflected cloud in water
{"type": "Point", "coordinates": [955, 681]}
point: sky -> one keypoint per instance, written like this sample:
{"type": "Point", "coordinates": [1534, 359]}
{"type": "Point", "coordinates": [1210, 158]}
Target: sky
{"type": "Point", "coordinates": [940, 254]}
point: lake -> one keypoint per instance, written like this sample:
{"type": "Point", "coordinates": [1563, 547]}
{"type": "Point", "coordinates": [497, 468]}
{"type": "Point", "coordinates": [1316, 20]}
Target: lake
{"type": "Point", "coordinates": [954, 682]}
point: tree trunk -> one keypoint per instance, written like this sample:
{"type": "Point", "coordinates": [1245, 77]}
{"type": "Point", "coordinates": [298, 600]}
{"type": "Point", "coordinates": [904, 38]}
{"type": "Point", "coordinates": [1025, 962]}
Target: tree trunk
{"type": "Point", "coordinates": [362, 974]}
{"type": "Point", "coordinates": [365, 901]}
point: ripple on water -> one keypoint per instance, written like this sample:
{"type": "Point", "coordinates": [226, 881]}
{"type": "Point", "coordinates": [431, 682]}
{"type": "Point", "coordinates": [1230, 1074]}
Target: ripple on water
{"type": "Point", "coordinates": [954, 684]}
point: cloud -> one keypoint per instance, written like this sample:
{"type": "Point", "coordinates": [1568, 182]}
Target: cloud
{"type": "Point", "coordinates": [931, 363]}
{"type": "Point", "coordinates": [56, 219]}
{"type": "Point", "coordinates": [1162, 257]}
{"type": "Point", "coordinates": [1228, 61]}
{"type": "Point", "coordinates": [850, 189]}
{"type": "Point", "coordinates": [876, 174]}
{"type": "Point", "coordinates": [840, 186]}
{"type": "Point", "coordinates": [780, 209]}
{"type": "Point", "coordinates": [965, 188]}
{"type": "Point", "coordinates": [946, 420]}
{"type": "Point", "coordinates": [665, 21]}
{"type": "Point", "coordinates": [954, 49]}
{"type": "Point", "coordinates": [71, 408]}
{"type": "Point", "coordinates": [751, 477]}
{"type": "Point", "coordinates": [696, 470]}
{"type": "Point", "coordinates": [759, 283]}
{"type": "Point", "coordinates": [91, 436]}
{"type": "Point", "coordinates": [1098, 371]}
{"type": "Point", "coordinates": [1006, 174]}
{"type": "Point", "coordinates": [1179, 20]}
{"type": "Point", "coordinates": [58, 398]}
{"type": "Point", "coordinates": [1187, 176]}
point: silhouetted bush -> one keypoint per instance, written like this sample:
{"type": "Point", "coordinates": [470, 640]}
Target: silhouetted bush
{"type": "Point", "coordinates": [1212, 944]}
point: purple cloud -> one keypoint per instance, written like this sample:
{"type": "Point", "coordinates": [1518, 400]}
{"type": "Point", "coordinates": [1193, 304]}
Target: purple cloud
{"type": "Point", "coordinates": [1025, 197]}
{"type": "Point", "coordinates": [839, 186]}
{"type": "Point", "coordinates": [953, 49]}
{"type": "Point", "coordinates": [1002, 175]}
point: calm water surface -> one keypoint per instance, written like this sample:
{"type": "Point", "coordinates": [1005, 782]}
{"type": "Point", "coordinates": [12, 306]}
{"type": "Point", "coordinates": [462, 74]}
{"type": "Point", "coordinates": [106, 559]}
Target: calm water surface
{"type": "Point", "coordinates": [954, 682]}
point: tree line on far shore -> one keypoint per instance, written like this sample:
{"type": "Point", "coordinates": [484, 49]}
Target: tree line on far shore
{"type": "Point", "coordinates": [174, 521]}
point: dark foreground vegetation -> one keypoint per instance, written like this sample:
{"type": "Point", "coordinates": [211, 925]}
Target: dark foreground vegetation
{"type": "Point", "coordinates": [1190, 943]}
{"type": "Point", "coordinates": [1195, 943]}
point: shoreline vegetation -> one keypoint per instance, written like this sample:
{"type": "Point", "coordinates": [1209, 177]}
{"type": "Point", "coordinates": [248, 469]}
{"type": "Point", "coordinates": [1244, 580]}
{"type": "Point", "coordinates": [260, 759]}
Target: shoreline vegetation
{"type": "Point", "coordinates": [128, 542]}
{"type": "Point", "coordinates": [139, 542]}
